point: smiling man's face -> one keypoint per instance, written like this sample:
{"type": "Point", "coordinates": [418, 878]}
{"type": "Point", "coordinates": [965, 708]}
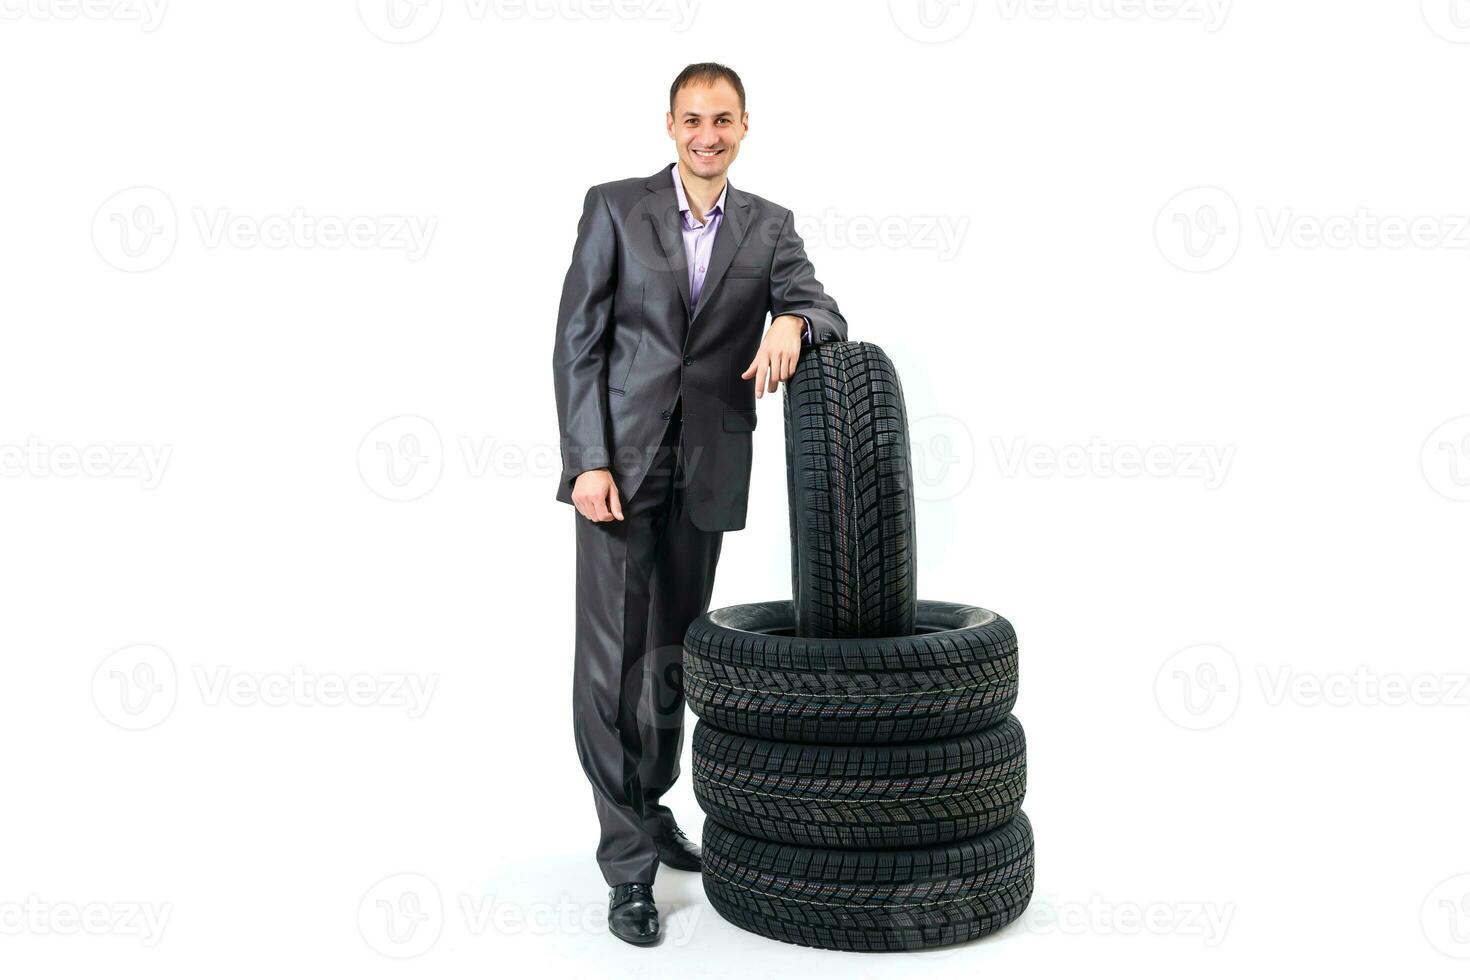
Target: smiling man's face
{"type": "Point", "coordinates": [707, 127]}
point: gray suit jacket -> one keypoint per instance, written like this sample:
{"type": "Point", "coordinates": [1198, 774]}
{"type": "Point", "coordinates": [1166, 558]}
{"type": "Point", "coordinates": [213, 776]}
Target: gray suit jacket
{"type": "Point", "coordinates": [628, 345]}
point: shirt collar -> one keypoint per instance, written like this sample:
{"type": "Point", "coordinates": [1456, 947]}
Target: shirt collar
{"type": "Point", "coordinates": [719, 206]}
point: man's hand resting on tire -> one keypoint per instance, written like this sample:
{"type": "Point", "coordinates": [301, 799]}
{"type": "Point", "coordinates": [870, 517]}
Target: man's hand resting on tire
{"type": "Point", "coordinates": [776, 359]}
{"type": "Point", "coordinates": [595, 496]}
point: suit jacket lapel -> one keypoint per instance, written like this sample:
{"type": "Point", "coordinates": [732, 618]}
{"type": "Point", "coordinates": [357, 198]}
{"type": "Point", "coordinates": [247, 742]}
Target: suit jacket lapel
{"type": "Point", "coordinates": [727, 241]}
{"type": "Point", "coordinates": [663, 212]}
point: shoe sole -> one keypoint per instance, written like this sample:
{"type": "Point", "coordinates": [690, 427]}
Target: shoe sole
{"type": "Point", "coordinates": [638, 942]}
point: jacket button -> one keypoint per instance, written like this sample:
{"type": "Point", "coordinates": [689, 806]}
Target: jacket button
{"type": "Point", "coordinates": [665, 415]}
{"type": "Point", "coordinates": [688, 360]}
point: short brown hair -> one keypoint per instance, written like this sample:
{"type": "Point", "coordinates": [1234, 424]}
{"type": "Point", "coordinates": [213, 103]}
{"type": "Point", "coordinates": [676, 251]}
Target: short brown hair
{"type": "Point", "coordinates": [706, 73]}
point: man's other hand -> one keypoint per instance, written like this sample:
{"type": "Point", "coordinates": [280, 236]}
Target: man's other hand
{"type": "Point", "coordinates": [776, 359]}
{"type": "Point", "coordinates": [596, 496]}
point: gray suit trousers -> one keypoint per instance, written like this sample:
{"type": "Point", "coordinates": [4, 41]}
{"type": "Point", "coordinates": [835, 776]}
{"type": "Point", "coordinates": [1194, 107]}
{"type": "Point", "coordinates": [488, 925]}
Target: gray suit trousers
{"type": "Point", "coordinates": [640, 582]}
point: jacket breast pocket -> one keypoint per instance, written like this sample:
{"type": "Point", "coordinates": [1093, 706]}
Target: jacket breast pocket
{"type": "Point", "coordinates": [739, 421]}
{"type": "Point", "coordinates": [744, 272]}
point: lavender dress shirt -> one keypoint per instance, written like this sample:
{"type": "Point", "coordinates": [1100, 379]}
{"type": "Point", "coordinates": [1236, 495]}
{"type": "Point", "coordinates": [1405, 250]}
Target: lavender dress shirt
{"type": "Point", "coordinates": [699, 242]}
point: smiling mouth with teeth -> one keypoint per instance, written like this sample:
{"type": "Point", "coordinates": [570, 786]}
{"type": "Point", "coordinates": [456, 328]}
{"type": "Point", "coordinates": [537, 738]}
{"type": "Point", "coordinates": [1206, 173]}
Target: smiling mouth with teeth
{"type": "Point", "coordinates": [708, 153]}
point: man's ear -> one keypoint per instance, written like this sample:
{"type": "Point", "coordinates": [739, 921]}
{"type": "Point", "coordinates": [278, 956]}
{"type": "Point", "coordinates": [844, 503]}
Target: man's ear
{"type": "Point", "coordinates": [669, 124]}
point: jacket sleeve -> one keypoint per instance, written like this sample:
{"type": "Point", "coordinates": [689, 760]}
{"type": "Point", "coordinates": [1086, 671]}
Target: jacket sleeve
{"type": "Point", "coordinates": [795, 289]}
{"type": "Point", "coordinates": [579, 361]}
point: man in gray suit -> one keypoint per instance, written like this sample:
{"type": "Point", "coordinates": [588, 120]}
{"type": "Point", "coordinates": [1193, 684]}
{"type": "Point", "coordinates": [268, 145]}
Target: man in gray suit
{"type": "Point", "coordinates": [658, 363]}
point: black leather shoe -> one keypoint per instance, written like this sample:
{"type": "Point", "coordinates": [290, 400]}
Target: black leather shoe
{"type": "Point", "coordinates": [631, 914]}
{"type": "Point", "coordinates": [678, 851]}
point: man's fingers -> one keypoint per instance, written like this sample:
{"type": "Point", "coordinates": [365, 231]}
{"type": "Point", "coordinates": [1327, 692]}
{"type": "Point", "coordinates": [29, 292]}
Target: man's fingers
{"type": "Point", "coordinates": [750, 370]}
{"type": "Point", "coordinates": [612, 496]}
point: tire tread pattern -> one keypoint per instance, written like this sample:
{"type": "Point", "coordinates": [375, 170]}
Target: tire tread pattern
{"type": "Point", "coordinates": [851, 494]}
{"type": "Point", "coordinates": [861, 796]}
{"type": "Point", "coordinates": [744, 673]}
{"type": "Point", "coordinates": [871, 900]}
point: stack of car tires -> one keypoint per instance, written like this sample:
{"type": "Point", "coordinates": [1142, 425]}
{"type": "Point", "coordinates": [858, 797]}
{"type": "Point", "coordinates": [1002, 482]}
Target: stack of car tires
{"type": "Point", "coordinates": [855, 755]}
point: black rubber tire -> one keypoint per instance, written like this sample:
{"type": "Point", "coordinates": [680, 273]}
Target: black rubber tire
{"type": "Point", "coordinates": [746, 673]}
{"type": "Point", "coordinates": [870, 900]}
{"type": "Point", "coordinates": [850, 488]}
{"type": "Point", "coordinates": [861, 795]}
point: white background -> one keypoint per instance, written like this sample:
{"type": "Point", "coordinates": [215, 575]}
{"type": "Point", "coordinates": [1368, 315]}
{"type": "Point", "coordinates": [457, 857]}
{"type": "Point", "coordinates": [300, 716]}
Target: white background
{"type": "Point", "coordinates": [1180, 232]}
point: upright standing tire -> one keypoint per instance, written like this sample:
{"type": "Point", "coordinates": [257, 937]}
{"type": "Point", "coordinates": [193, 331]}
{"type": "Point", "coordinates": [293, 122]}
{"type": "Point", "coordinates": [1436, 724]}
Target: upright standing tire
{"type": "Point", "coordinates": [861, 795]}
{"type": "Point", "coordinates": [870, 900]}
{"type": "Point", "coordinates": [850, 486]}
{"type": "Point", "coordinates": [745, 672]}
